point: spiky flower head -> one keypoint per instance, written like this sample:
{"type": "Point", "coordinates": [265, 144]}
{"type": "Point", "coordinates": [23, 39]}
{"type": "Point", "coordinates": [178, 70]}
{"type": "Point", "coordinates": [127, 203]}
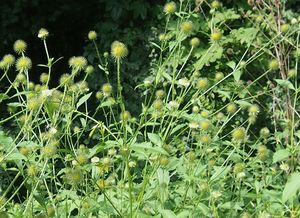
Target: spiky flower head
{"type": "Point", "coordinates": [170, 8]}
{"type": "Point", "coordinates": [239, 134]}
{"type": "Point", "coordinates": [253, 110]}
{"type": "Point", "coordinates": [7, 61]}
{"type": "Point", "coordinates": [125, 116]}
{"type": "Point", "coordinates": [273, 64]}
{"type": "Point", "coordinates": [186, 27]}
{"type": "Point", "coordinates": [160, 93]}
{"type": "Point", "coordinates": [216, 35]}
{"type": "Point", "coordinates": [92, 35]}
{"type": "Point", "coordinates": [215, 4]}
{"type": "Point", "coordinates": [202, 83]}
{"type": "Point", "coordinates": [23, 64]}
{"type": "Point", "coordinates": [107, 89]}
{"type": "Point", "coordinates": [264, 132]}
{"type": "Point", "coordinates": [205, 124]}
{"type": "Point", "coordinates": [195, 42]}
{"type": "Point", "coordinates": [89, 69]}
{"type": "Point", "coordinates": [219, 76]}
{"type": "Point", "coordinates": [44, 77]}
{"type": "Point", "coordinates": [43, 33]}
{"type": "Point", "coordinates": [118, 50]}
{"type": "Point", "coordinates": [231, 108]}
{"type": "Point", "coordinates": [20, 46]}
{"type": "Point", "coordinates": [78, 63]}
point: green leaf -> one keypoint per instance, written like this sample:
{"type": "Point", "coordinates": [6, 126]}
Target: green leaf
{"type": "Point", "coordinates": [291, 187]}
{"type": "Point", "coordinates": [228, 14]}
{"type": "Point", "coordinates": [210, 55]}
{"type": "Point", "coordinates": [281, 155]}
{"type": "Point", "coordinates": [83, 99]}
{"type": "Point", "coordinates": [220, 172]}
{"type": "Point", "coordinates": [145, 147]}
{"type": "Point", "coordinates": [155, 139]}
{"type": "Point", "coordinates": [244, 35]}
{"type": "Point", "coordinates": [168, 214]}
{"type": "Point", "coordinates": [237, 75]}
{"type": "Point", "coordinates": [285, 83]}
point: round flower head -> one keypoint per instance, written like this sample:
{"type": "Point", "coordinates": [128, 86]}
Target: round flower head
{"type": "Point", "coordinates": [216, 35]}
{"type": "Point", "coordinates": [215, 4]}
{"type": "Point", "coordinates": [231, 108]}
{"type": "Point", "coordinates": [44, 77]}
{"type": "Point", "coordinates": [170, 8]}
{"type": "Point", "coordinates": [205, 124]}
{"type": "Point", "coordinates": [78, 63]}
{"type": "Point", "coordinates": [239, 134]}
{"type": "Point", "coordinates": [8, 60]}
{"type": "Point", "coordinates": [89, 69]}
{"type": "Point", "coordinates": [92, 35]}
{"type": "Point", "coordinates": [118, 50]}
{"type": "Point", "coordinates": [23, 64]}
{"type": "Point", "coordinates": [186, 27]}
{"type": "Point", "coordinates": [125, 116]}
{"type": "Point", "coordinates": [253, 110]}
{"type": "Point", "coordinates": [20, 46]}
{"type": "Point", "coordinates": [273, 64]}
{"type": "Point", "coordinates": [107, 89]}
{"type": "Point", "coordinates": [195, 42]}
{"type": "Point", "coordinates": [284, 28]}
{"type": "Point", "coordinates": [158, 104]}
{"type": "Point", "coordinates": [202, 83]}
{"type": "Point", "coordinates": [43, 33]}
{"type": "Point", "coordinates": [219, 76]}
{"type": "Point", "coordinates": [184, 82]}
{"type": "Point", "coordinates": [160, 93]}
{"type": "Point", "coordinates": [264, 132]}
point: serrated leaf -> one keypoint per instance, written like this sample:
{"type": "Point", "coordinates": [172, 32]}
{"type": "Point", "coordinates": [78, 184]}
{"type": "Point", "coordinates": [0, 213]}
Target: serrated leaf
{"type": "Point", "coordinates": [244, 35]}
{"type": "Point", "coordinates": [225, 15]}
{"type": "Point", "coordinates": [281, 155]}
{"type": "Point", "coordinates": [83, 99]}
{"type": "Point", "coordinates": [210, 55]}
{"type": "Point", "coordinates": [291, 187]}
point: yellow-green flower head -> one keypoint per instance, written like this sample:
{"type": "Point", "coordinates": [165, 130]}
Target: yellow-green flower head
{"type": "Point", "coordinates": [216, 35]}
{"type": "Point", "coordinates": [195, 42]}
{"type": "Point", "coordinates": [239, 134]}
{"type": "Point", "coordinates": [219, 76]}
{"type": "Point", "coordinates": [92, 35]}
{"type": "Point", "coordinates": [202, 83]}
{"type": "Point", "coordinates": [160, 93]}
{"type": "Point", "coordinates": [253, 110]}
{"type": "Point", "coordinates": [205, 139]}
{"type": "Point", "coordinates": [118, 50]}
{"type": "Point", "coordinates": [23, 64]}
{"type": "Point", "coordinates": [215, 4]}
{"type": "Point", "coordinates": [273, 64]}
{"type": "Point", "coordinates": [78, 63]}
{"type": "Point", "coordinates": [186, 27]}
{"type": "Point", "coordinates": [125, 116]}
{"type": "Point", "coordinates": [205, 124]}
{"type": "Point", "coordinates": [158, 104]}
{"type": "Point", "coordinates": [66, 79]}
{"type": "Point", "coordinates": [170, 8]}
{"type": "Point", "coordinates": [49, 150]}
{"type": "Point", "coordinates": [44, 77]}
{"type": "Point", "coordinates": [8, 60]}
{"type": "Point", "coordinates": [20, 46]}
{"type": "Point", "coordinates": [162, 37]}
{"type": "Point", "coordinates": [89, 69]}
{"type": "Point", "coordinates": [107, 89]}
{"type": "Point", "coordinates": [43, 33]}
{"type": "Point", "coordinates": [264, 132]}
{"type": "Point", "coordinates": [231, 108]}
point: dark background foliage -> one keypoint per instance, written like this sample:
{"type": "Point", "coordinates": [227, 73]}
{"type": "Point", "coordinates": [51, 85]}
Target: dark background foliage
{"type": "Point", "coordinates": [69, 22]}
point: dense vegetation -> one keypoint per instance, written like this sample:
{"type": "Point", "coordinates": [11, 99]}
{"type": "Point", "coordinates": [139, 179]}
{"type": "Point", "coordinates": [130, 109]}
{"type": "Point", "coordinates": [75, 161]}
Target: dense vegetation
{"type": "Point", "coordinates": [194, 115]}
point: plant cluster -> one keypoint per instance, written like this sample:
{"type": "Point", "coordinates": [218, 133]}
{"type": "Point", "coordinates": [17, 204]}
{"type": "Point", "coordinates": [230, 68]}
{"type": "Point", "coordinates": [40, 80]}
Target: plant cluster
{"type": "Point", "coordinates": [217, 134]}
